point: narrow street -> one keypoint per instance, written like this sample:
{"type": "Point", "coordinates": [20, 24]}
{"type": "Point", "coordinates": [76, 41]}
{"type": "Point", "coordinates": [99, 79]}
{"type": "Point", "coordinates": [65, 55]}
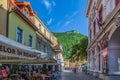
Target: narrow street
{"type": "Point", "coordinates": [69, 75]}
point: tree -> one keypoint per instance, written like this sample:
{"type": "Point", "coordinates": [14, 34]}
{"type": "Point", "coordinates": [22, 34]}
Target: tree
{"type": "Point", "coordinates": [79, 50]}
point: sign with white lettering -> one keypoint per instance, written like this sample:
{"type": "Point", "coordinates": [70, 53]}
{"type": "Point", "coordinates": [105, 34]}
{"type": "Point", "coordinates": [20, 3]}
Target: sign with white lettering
{"type": "Point", "coordinates": [8, 49]}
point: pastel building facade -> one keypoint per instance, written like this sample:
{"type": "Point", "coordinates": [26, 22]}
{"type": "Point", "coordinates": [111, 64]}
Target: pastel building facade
{"type": "Point", "coordinates": [23, 36]}
{"type": "Point", "coordinates": [104, 42]}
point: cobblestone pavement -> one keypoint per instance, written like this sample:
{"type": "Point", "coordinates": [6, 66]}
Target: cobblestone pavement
{"type": "Point", "coordinates": [69, 75]}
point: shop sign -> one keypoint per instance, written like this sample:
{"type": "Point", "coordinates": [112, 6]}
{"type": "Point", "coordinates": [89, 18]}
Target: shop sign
{"type": "Point", "coordinates": [12, 50]}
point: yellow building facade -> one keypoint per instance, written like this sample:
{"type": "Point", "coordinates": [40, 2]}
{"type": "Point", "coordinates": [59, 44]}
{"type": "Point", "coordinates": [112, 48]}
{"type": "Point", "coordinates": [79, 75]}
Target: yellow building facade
{"type": "Point", "coordinates": [3, 16]}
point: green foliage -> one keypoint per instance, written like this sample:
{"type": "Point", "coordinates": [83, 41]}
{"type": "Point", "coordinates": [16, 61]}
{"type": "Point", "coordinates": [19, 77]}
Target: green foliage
{"type": "Point", "coordinates": [71, 42]}
{"type": "Point", "coordinates": [44, 69]}
{"type": "Point", "coordinates": [79, 50]}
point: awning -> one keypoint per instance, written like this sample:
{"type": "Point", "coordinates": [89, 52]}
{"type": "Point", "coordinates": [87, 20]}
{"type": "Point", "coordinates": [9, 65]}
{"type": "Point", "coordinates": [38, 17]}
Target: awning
{"type": "Point", "coordinates": [22, 54]}
{"type": "Point", "coordinates": [12, 48]}
{"type": "Point", "coordinates": [105, 52]}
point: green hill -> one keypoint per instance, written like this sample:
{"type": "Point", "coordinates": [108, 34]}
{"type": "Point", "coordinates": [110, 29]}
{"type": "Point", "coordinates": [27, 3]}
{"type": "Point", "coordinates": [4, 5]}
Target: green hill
{"type": "Point", "coordinates": [68, 40]}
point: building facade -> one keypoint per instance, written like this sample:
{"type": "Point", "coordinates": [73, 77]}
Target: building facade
{"type": "Point", "coordinates": [3, 16]}
{"type": "Point", "coordinates": [23, 34]}
{"type": "Point", "coordinates": [58, 55]}
{"type": "Point", "coordinates": [104, 42]}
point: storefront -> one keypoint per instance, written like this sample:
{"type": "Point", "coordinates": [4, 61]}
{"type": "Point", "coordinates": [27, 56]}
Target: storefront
{"type": "Point", "coordinates": [12, 52]}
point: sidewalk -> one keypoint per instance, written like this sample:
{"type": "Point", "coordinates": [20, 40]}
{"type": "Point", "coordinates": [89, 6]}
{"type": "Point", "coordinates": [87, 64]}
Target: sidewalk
{"type": "Point", "coordinates": [69, 75]}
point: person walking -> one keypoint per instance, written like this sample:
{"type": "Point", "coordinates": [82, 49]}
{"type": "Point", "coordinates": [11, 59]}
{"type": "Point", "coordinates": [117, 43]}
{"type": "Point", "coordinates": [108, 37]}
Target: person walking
{"type": "Point", "coordinates": [75, 70]}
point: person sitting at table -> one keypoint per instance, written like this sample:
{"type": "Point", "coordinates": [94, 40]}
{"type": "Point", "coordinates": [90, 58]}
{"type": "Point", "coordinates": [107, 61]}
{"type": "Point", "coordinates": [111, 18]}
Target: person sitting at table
{"type": "Point", "coordinates": [4, 73]}
{"type": "Point", "coordinates": [54, 75]}
{"type": "Point", "coordinates": [24, 76]}
{"type": "Point", "coordinates": [36, 74]}
{"type": "Point", "coordinates": [43, 75]}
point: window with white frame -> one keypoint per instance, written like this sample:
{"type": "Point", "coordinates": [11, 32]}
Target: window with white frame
{"type": "Point", "coordinates": [25, 13]}
{"type": "Point", "coordinates": [45, 32]}
{"type": "Point", "coordinates": [40, 27]}
{"type": "Point", "coordinates": [44, 48]}
{"type": "Point", "coordinates": [19, 36]}
{"type": "Point", "coordinates": [30, 39]}
{"type": "Point", "coordinates": [117, 2]}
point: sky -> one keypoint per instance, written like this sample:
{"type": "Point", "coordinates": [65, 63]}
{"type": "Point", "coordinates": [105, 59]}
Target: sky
{"type": "Point", "coordinates": [62, 15]}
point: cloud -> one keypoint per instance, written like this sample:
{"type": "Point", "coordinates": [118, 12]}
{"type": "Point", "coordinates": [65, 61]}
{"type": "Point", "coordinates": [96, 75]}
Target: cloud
{"type": "Point", "coordinates": [67, 22]}
{"type": "Point", "coordinates": [75, 13]}
{"type": "Point", "coordinates": [53, 3]}
{"type": "Point", "coordinates": [72, 15]}
{"type": "Point", "coordinates": [69, 18]}
{"type": "Point", "coordinates": [49, 5]}
{"type": "Point", "coordinates": [50, 21]}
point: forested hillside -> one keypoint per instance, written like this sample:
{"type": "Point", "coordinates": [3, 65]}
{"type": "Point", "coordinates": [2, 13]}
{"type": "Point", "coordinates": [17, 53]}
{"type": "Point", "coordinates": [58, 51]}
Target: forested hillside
{"type": "Point", "coordinates": [69, 40]}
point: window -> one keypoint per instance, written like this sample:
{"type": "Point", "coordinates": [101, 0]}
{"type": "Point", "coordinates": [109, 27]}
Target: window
{"type": "Point", "coordinates": [100, 15]}
{"type": "Point", "coordinates": [90, 34]}
{"type": "Point", "coordinates": [45, 32]}
{"type": "Point", "coordinates": [30, 41]}
{"type": "Point", "coordinates": [39, 27]}
{"type": "Point", "coordinates": [117, 2]}
{"type": "Point", "coordinates": [19, 35]}
{"type": "Point", "coordinates": [25, 13]}
{"type": "Point", "coordinates": [94, 25]}
{"type": "Point", "coordinates": [45, 48]}
{"type": "Point", "coordinates": [39, 45]}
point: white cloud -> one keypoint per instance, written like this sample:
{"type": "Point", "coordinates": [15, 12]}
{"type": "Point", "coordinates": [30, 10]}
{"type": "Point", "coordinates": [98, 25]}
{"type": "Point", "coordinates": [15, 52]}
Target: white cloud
{"type": "Point", "coordinates": [75, 13]}
{"type": "Point", "coordinates": [50, 21]}
{"type": "Point", "coordinates": [49, 5]}
{"type": "Point", "coordinates": [67, 22]}
{"type": "Point", "coordinates": [70, 18]}
{"type": "Point", "coordinates": [53, 3]}
{"type": "Point", "coordinates": [72, 15]}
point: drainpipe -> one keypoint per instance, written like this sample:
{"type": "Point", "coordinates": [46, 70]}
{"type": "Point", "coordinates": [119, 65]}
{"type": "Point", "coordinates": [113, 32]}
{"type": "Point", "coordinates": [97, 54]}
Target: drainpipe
{"type": "Point", "coordinates": [7, 24]}
{"type": "Point", "coordinates": [7, 21]}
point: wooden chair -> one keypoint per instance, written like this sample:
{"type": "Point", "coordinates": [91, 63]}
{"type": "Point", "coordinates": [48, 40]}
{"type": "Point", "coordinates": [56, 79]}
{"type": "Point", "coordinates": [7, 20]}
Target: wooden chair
{"type": "Point", "coordinates": [32, 78]}
{"type": "Point", "coordinates": [40, 78]}
{"type": "Point", "coordinates": [7, 79]}
{"type": "Point", "coordinates": [47, 78]}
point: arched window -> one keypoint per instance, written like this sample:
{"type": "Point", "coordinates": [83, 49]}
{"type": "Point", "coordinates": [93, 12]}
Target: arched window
{"type": "Point", "coordinates": [94, 26]}
{"type": "Point", "coordinates": [90, 34]}
{"type": "Point", "coordinates": [100, 15]}
{"type": "Point", "coordinates": [117, 2]}
{"type": "Point", "coordinates": [98, 50]}
{"type": "Point", "coordinates": [25, 12]}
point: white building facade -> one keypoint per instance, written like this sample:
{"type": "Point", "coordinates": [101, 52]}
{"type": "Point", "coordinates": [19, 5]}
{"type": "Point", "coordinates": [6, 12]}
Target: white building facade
{"type": "Point", "coordinates": [104, 41]}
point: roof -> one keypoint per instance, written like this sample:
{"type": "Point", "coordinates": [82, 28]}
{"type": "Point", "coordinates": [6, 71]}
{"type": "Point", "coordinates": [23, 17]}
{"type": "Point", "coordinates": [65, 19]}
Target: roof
{"type": "Point", "coordinates": [27, 4]}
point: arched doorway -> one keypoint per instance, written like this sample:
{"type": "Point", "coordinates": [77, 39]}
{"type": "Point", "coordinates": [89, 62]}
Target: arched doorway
{"type": "Point", "coordinates": [114, 52]}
